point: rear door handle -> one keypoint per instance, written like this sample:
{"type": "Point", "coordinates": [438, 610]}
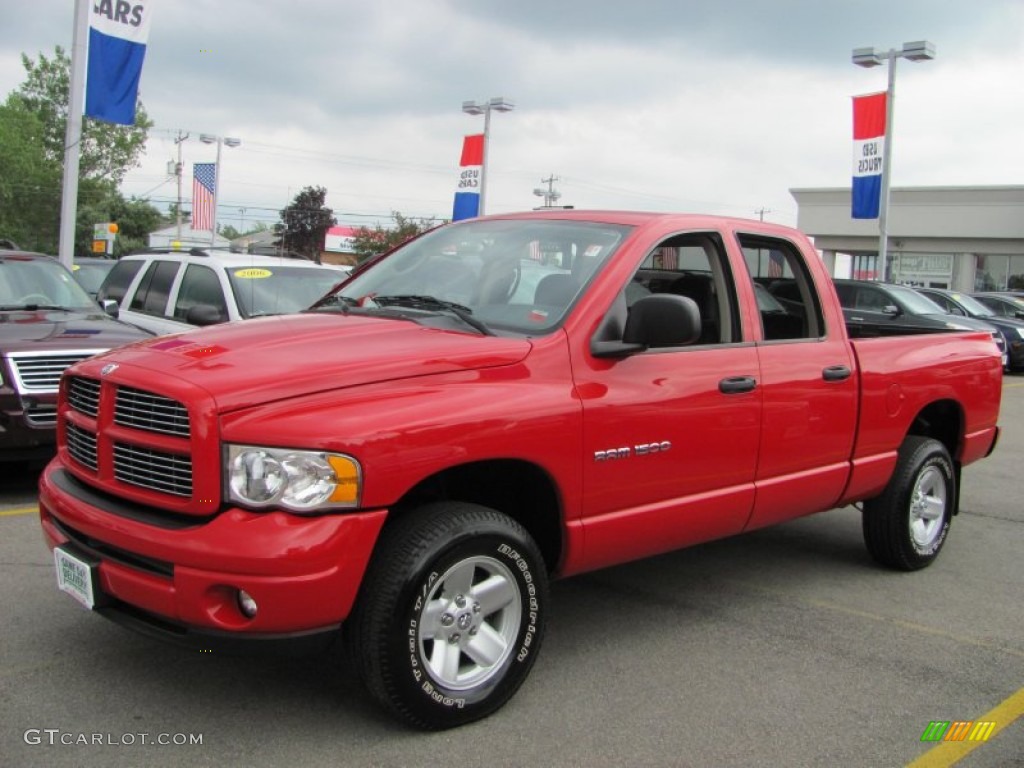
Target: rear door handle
{"type": "Point", "coordinates": [737, 385]}
{"type": "Point", "coordinates": [836, 373]}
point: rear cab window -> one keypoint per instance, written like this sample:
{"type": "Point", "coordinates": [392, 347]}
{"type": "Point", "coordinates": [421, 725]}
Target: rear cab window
{"type": "Point", "coordinates": [117, 282]}
{"type": "Point", "coordinates": [788, 303]}
{"type": "Point", "coordinates": [155, 288]}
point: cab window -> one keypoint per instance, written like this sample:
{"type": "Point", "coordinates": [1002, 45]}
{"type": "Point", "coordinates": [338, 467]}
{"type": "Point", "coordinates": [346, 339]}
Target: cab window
{"type": "Point", "coordinates": [151, 296]}
{"type": "Point", "coordinates": [693, 265]}
{"type": "Point", "coordinates": [787, 302]}
{"type": "Point", "coordinates": [199, 285]}
{"type": "Point", "coordinates": [115, 286]}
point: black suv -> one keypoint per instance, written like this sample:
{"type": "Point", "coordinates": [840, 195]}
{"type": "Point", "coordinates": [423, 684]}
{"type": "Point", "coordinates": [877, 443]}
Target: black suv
{"type": "Point", "coordinates": [47, 322]}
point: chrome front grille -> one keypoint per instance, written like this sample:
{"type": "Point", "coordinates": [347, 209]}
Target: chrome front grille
{"type": "Point", "coordinates": [84, 395]}
{"type": "Point", "coordinates": [152, 469]}
{"type": "Point", "coordinates": [149, 412]}
{"type": "Point", "coordinates": [82, 446]}
{"type": "Point", "coordinates": [124, 435]}
{"type": "Point", "coordinates": [41, 415]}
{"type": "Point", "coordinates": [39, 372]}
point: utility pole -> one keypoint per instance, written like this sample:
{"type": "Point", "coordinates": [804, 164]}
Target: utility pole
{"type": "Point", "coordinates": [551, 194]}
{"type": "Point", "coordinates": [177, 172]}
{"type": "Point", "coordinates": [761, 212]}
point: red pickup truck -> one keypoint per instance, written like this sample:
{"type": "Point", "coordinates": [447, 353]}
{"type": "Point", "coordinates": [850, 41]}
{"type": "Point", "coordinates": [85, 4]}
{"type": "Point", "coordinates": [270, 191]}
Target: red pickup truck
{"type": "Point", "coordinates": [497, 402]}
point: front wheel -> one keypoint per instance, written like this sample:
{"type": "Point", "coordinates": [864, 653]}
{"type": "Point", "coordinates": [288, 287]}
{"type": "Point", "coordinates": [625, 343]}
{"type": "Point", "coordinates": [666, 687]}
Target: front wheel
{"type": "Point", "coordinates": [450, 615]}
{"type": "Point", "coordinates": [906, 526]}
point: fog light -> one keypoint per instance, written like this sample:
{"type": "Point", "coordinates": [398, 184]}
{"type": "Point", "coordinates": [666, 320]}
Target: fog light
{"type": "Point", "coordinates": [246, 604]}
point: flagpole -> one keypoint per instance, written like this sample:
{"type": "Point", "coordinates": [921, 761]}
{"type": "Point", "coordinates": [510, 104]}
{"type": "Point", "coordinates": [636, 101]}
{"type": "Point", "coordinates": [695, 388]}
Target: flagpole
{"type": "Point", "coordinates": [73, 134]}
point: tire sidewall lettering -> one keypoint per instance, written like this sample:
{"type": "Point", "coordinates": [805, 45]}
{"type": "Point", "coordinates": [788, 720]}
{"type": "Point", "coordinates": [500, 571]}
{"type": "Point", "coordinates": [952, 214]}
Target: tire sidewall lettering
{"type": "Point", "coordinates": [417, 669]}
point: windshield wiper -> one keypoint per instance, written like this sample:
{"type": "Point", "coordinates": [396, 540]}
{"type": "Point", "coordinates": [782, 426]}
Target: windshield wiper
{"type": "Point", "coordinates": [29, 307]}
{"type": "Point", "coordinates": [431, 303]}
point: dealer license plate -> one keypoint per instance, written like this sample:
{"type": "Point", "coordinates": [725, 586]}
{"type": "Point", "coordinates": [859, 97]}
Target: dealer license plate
{"type": "Point", "coordinates": [76, 576]}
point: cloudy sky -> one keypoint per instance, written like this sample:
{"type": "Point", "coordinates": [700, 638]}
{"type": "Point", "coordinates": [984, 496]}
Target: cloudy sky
{"type": "Point", "coordinates": [718, 106]}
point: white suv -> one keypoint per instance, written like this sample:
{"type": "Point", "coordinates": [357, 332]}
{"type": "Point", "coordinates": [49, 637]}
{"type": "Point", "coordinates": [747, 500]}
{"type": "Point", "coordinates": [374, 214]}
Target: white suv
{"type": "Point", "coordinates": [171, 291]}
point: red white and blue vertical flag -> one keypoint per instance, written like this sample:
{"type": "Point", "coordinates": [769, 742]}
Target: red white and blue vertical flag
{"type": "Point", "coordinates": [118, 31]}
{"type": "Point", "coordinates": [204, 180]}
{"type": "Point", "coordinates": [467, 193]}
{"type": "Point", "coordinates": [868, 153]}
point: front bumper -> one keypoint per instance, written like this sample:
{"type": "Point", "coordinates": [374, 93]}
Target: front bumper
{"type": "Point", "coordinates": [1015, 356]}
{"type": "Point", "coordinates": [27, 434]}
{"type": "Point", "coordinates": [181, 576]}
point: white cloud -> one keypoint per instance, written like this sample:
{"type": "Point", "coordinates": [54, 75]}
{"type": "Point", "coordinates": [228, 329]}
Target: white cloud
{"type": "Point", "coordinates": [673, 105]}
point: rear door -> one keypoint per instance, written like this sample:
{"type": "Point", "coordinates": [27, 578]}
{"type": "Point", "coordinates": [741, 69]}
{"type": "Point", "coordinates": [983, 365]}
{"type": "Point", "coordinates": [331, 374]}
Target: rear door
{"type": "Point", "coordinates": [808, 387]}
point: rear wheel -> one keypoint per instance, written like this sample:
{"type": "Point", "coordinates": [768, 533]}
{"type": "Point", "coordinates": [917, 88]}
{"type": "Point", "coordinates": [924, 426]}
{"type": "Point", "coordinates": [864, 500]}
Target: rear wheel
{"type": "Point", "coordinates": [906, 526]}
{"type": "Point", "coordinates": [450, 616]}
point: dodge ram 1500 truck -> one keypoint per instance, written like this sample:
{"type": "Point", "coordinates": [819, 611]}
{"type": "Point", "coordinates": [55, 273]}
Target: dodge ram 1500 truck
{"type": "Point", "coordinates": [496, 403]}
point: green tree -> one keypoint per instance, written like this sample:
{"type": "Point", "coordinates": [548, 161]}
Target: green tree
{"type": "Point", "coordinates": [368, 242]}
{"type": "Point", "coordinates": [304, 223]}
{"type": "Point", "coordinates": [33, 123]}
{"type": "Point", "coordinates": [108, 151]}
{"type": "Point", "coordinates": [29, 181]}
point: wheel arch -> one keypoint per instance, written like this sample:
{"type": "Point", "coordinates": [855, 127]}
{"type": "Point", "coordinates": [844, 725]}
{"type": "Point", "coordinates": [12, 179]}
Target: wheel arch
{"type": "Point", "coordinates": [522, 490]}
{"type": "Point", "coordinates": [943, 420]}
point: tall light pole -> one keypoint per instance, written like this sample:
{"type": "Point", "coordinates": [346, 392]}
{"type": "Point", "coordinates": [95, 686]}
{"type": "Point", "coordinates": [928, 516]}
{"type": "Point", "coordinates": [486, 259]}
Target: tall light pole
{"type": "Point", "coordinates": [484, 108]}
{"type": "Point", "coordinates": [207, 138]}
{"type": "Point", "coordinates": [920, 50]}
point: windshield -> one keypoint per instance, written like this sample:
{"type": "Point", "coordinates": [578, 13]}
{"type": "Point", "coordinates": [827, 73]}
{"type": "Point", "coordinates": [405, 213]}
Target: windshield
{"type": "Point", "coordinates": [914, 303]}
{"type": "Point", "coordinates": [27, 283]}
{"type": "Point", "coordinates": [972, 305]}
{"type": "Point", "coordinates": [518, 275]}
{"type": "Point", "coordinates": [90, 276]}
{"type": "Point", "coordinates": [277, 290]}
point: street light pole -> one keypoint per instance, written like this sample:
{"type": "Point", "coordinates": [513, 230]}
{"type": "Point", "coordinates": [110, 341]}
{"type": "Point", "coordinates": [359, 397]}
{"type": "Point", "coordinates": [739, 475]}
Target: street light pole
{"type": "Point", "coordinates": [920, 50]}
{"type": "Point", "coordinates": [231, 142]}
{"type": "Point", "coordinates": [499, 104]}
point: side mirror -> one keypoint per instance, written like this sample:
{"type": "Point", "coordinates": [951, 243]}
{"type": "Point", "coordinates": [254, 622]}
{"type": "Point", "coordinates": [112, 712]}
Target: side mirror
{"type": "Point", "coordinates": [111, 307]}
{"type": "Point", "coordinates": [957, 311]}
{"type": "Point", "coordinates": [204, 314]}
{"type": "Point", "coordinates": [892, 309]}
{"type": "Point", "coordinates": [661, 320]}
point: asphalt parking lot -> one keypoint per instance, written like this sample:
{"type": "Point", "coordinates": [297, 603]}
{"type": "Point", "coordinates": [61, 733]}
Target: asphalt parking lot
{"type": "Point", "coordinates": [784, 647]}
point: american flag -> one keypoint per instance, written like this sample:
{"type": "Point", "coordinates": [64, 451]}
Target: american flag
{"type": "Point", "coordinates": [204, 181]}
{"type": "Point", "coordinates": [776, 264]}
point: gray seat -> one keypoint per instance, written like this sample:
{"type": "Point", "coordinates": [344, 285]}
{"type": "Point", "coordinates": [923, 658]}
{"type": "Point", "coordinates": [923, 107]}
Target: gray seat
{"type": "Point", "coordinates": [556, 290]}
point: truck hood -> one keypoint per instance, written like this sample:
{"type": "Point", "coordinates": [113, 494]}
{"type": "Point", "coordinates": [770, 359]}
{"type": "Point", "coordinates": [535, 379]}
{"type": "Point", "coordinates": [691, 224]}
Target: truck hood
{"type": "Point", "coordinates": [59, 330]}
{"type": "Point", "coordinates": [257, 361]}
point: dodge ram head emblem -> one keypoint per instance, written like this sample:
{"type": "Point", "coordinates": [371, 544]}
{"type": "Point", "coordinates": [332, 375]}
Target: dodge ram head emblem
{"type": "Point", "coordinates": [108, 368]}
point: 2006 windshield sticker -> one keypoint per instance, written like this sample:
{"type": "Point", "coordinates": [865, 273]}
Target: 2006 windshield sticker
{"type": "Point", "coordinates": [252, 273]}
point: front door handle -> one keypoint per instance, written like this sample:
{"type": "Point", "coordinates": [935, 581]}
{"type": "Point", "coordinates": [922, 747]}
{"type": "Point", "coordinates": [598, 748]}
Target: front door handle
{"type": "Point", "coordinates": [836, 373]}
{"type": "Point", "coordinates": [737, 385]}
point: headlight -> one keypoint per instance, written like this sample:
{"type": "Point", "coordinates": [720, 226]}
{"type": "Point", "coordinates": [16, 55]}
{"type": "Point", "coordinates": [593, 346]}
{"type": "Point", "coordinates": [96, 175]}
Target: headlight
{"type": "Point", "coordinates": [302, 481]}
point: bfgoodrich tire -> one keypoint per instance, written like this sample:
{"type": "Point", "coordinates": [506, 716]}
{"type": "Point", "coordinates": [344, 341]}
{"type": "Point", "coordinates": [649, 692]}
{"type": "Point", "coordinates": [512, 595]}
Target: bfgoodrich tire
{"type": "Point", "coordinates": [906, 526]}
{"type": "Point", "coordinates": [450, 615]}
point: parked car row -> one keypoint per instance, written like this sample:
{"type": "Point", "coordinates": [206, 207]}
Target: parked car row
{"type": "Point", "coordinates": [51, 318]}
{"type": "Point", "coordinates": [873, 308]}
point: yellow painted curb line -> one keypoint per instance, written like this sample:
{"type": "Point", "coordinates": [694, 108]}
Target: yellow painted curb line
{"type": "Point", "coordinates": [19, 511]}
{"type": "Point", "coordinates": [950, 752]}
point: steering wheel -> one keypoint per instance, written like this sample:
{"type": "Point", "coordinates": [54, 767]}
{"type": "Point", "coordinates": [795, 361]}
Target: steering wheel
{"type": "Point", "coordinates": [34, 298]}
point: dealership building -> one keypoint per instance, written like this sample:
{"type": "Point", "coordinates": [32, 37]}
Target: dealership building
{"type": "Point", "coordinates": [963, 238]}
